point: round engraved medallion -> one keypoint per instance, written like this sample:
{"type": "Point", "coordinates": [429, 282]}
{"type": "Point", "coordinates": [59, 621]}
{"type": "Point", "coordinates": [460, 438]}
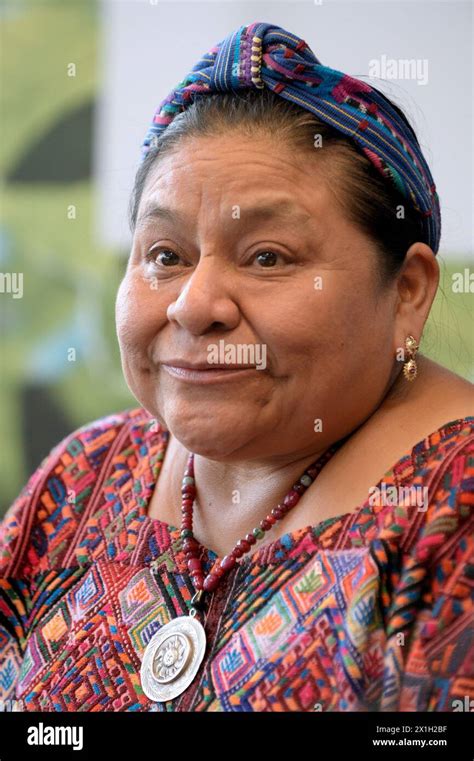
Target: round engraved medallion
{"type": "Point", "coordinates": [172, 658]}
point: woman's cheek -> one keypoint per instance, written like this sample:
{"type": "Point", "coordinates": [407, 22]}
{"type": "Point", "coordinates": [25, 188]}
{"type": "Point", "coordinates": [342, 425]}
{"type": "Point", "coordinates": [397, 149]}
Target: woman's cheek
{"type": "Point", "coordinates": [131, 294]}
{"type": "Point", "coordinates": [127, 316]}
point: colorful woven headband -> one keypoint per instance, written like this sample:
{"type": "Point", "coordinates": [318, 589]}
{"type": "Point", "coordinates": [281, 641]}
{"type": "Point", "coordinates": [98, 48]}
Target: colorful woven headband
{"type": "Point", "coordinates": [263, 55]}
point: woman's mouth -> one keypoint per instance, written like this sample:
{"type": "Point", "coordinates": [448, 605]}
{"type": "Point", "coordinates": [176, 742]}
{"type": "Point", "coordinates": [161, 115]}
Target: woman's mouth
{"type": "Point", "coordinates": [209, 374]}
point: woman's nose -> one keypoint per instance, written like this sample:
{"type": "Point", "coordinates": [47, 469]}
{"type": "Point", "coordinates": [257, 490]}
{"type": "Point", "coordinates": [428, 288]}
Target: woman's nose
{"type": "Point", "coordinates": [205, 301]}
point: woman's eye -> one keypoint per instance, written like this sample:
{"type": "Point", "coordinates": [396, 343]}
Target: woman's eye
{"type": "Point", "coordinates": [267, 258]}
{"type": "Point", "coordinates": [164, 257]}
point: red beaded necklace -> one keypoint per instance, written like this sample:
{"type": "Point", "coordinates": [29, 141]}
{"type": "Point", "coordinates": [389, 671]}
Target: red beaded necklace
{"type": "Point", "coordinates": [174, 654]}
{"type": "Point", "coordinates": [220, 568]}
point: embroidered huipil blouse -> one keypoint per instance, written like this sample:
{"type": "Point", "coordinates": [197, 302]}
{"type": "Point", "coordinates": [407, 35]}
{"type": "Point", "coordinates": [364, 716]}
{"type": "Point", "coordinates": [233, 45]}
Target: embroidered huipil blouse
{"type": "Point", "coordinates": [366, 611]}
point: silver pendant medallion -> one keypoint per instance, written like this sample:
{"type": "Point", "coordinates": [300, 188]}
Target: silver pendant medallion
{"type": "Point", "coordinates": [172, 658]}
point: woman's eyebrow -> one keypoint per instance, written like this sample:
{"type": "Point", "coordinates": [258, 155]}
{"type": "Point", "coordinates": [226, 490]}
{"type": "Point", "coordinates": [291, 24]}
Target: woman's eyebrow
{"type": "Point", "coordinates": [267, 210]}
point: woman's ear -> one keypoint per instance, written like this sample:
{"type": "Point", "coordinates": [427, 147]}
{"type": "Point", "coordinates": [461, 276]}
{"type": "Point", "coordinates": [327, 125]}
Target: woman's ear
{"type": "Point", "coordinates": [417, 283]}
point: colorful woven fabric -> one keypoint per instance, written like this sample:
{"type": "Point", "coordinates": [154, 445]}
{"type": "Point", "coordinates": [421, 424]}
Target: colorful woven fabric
{"type": "Point", "coordinates": [371, 610]}
{"type": "Point", "coordinates": [263, 55]}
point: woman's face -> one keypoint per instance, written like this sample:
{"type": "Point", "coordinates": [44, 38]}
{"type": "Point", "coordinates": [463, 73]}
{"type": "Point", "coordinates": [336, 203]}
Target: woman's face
{"type": "Point", "coordinates": [252, 249]}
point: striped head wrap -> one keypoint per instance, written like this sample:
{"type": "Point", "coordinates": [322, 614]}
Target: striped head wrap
{"type": "Point", "coordinates": [264, 55]}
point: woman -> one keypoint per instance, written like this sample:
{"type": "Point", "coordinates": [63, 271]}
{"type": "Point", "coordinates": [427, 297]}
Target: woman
{"type": "Point", "coordinates": [285, 522]}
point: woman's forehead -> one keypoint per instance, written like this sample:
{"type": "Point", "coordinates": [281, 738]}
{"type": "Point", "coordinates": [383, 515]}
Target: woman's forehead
{"type": "Point", "coordinates": [256, 207]}
{"type": "Point", "coordinates": [264, 190]}
{"type": "Point", "coordinates": [236, 156]}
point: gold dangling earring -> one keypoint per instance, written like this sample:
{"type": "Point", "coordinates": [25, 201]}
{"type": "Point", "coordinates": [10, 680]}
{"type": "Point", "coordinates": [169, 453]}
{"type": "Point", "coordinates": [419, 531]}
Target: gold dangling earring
{"type": "Point", "coordinates": [409, 368]}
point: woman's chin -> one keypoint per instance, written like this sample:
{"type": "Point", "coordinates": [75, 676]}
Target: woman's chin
{"type": "Point", "coordinates": [210, 438]}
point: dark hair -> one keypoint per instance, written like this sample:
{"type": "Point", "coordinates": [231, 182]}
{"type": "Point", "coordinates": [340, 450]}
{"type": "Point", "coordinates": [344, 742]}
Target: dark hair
{"type": "Point", "coordinates": [367, 198]}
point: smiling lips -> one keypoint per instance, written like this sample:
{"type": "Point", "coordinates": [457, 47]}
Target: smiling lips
{"type": "Point", "coordinates": [204, 372]}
